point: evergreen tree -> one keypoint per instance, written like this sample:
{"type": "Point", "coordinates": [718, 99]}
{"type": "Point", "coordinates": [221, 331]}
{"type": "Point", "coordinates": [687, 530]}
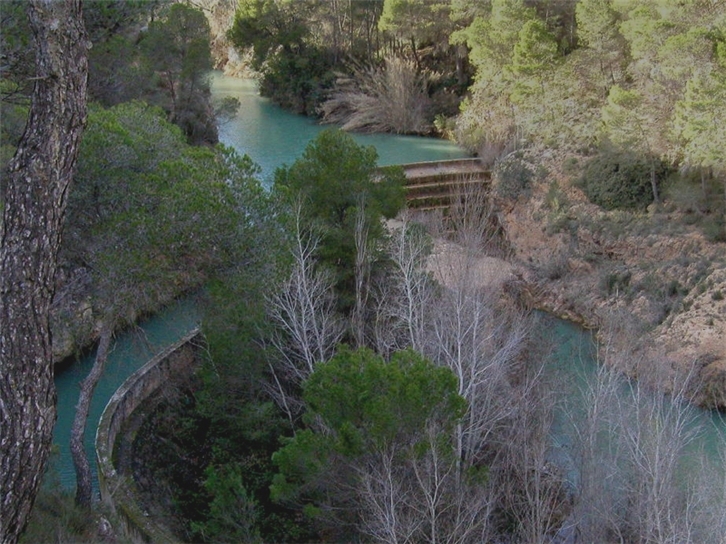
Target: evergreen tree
{"type": "Point", "coordinates": [34, 198]}
{"type": "Point", "coordinates": [176, 49]}
{"type": "Point", "coordinates": [337, 182]}
{"type": "Point", "coordinates": [378, 433]}
{"type": "Point", "coordinates": [627, 123]}
{"type": "Point", "coordinates": [700, 125]}
{"type": "Point", "coordinates": [597, 30]}
{"type": "Point", "coordinates": [416, 21]}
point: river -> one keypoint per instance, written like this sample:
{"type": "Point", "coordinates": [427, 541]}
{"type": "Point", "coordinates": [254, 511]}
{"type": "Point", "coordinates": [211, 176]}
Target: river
{"type": "Point", "coordinates": [130, 351]}
{"type": "Point", "coordinates": [272, 137]}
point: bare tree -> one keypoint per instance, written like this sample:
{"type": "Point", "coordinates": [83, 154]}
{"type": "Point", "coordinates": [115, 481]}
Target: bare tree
{"type": "Point", "coordinates": [471, 220]}
{"type": "Point", "coordinates": [35, 199]}
{"type": "Point", "coordinates": [363, 263]}
{"type": "Point", "coordinates": [481, 341]}
{"type": "Point", "coordinates": [452, 508]}
{"type": "Point", "coordinates": [527, 472]}
{"type": "Point", "coordinates": [78, 429]}
{"type": "Point", "coordinates": [600, 491]}
{"type": "Point", "coordinates": [408, 250]}
{"type": "Point", "coordinates": [708, 498]}
{"type": "Point", "coordinates": [655, 436]}
{"type": "Point", "coordinates": [462, 325]}
{"type": "Point", "coordinates": [304, 311]}
{"type": "Point", "coordinates": [636, 478]}
{"type": "Point", "coordinates": [414, 494]}
{"type": "Point", "coordinates": [385, 497]}
{"type": "Point", "coordinates": [384, 324]}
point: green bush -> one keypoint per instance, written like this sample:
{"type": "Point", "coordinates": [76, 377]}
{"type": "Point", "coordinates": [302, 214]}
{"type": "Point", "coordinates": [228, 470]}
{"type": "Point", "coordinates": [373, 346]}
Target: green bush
{"type": "Point", "coordinates": [618, 180]}
{"type": "Point", "coordinates": [714, 228]}
{"type": "Point", "coordinates": [151, 215]}
{"type": "Point", "coordinates": [691, 194]}
{"type": "Point", "coordinates": [513, 177]}
{"type": "Point", "coordinates": [298, 81]}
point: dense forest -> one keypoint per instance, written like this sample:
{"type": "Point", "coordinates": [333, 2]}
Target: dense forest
{"type": "Point", "coordinates": [639, 85]}
{"type": "Point", "coordinates": [350, 392]}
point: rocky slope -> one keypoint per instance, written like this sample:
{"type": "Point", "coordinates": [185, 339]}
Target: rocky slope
{"type": "Point", "coordinates": [652, 284]}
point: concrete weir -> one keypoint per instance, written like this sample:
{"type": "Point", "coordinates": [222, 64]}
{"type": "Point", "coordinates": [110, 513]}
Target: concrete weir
{"type": "Point", "coordinates": [118, 491]}
{"type": "Point", "coordinates": [438, 184]}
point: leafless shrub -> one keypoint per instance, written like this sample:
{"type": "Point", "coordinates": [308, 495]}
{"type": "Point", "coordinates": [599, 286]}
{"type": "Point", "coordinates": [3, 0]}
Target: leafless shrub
{"type": "Point", "coordinates": [638, 479]}
{"type": "Point", "coordinates": [309, 328]}
{"type": "Point", "coordinates": [391, 98]}
{"type": "Point", "coordinates": [472, 220]}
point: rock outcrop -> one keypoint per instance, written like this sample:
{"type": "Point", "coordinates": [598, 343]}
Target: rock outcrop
{"type": "Point", "coordinates": [652, 284]}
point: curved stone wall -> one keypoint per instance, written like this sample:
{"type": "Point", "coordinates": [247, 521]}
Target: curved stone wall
{"type": "Point", "coordinates": [118, 490]}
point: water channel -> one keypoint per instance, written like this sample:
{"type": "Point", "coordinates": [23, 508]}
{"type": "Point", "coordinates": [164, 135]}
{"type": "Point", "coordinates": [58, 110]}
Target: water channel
{"type": "Point", "coordinates": [272, 137]}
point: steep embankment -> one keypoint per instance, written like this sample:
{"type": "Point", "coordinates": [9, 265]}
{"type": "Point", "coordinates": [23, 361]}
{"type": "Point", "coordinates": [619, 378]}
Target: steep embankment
{"type": "Point", "coordinates": [651, 283]}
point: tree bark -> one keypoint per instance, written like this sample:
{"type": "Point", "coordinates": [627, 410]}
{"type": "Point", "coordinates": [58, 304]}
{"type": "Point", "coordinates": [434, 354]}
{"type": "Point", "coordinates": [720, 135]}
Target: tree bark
{"type": "Point", "coordinates": [80, 460]}
{"type": "Point", "coordinates": [35, 199]}
{"type": "Point", "coordinates": [654, 182]}
{"type": "Point", "coordinates": [362, 274]}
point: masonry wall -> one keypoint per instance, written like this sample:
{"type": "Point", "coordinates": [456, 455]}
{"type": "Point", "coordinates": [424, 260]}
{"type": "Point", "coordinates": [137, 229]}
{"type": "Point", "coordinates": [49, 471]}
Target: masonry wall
{"type": "Point", "coordinates": [118, 490]}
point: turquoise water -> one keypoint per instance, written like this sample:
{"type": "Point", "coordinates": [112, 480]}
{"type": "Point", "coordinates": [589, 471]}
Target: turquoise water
{"type": "Point", "coordinates": [130, 350]}
{"type": "Point", "coordinates": [573, 370]}
{"type": "Point", "coordinates": [273, 137]}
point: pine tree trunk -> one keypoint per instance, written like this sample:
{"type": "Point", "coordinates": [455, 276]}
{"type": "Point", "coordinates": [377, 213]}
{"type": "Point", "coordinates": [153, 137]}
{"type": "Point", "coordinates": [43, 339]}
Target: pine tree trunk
{"type": "Point", "coordinates": [80, 460]}
{"type": "Point", "coordinates": [35, 199]}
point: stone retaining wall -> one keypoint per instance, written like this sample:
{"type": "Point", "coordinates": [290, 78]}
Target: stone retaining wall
{"type": "Point", "coordinates": [118, 490]}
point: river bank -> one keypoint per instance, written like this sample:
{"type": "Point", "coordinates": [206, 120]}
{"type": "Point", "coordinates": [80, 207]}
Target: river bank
{"type": "Point", "coordinates": [651, 284]}
{"type": "Point", "coordinates": [271, 137]}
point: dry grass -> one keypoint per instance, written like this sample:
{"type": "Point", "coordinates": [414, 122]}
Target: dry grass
{"type": "Point", "coordinates": [391, 98]}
